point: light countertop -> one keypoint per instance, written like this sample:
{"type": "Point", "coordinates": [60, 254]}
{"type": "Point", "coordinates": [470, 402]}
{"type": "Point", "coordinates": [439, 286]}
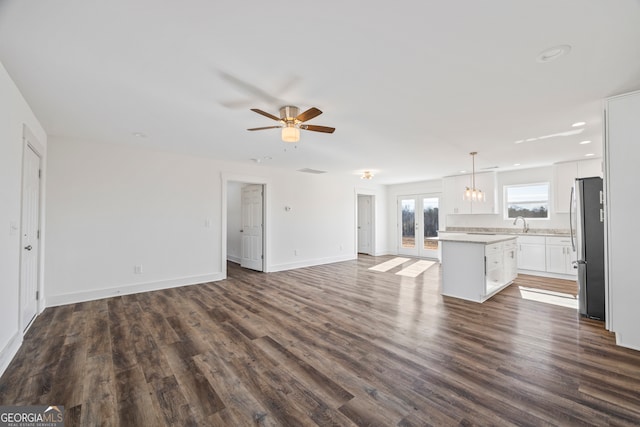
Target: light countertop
{"type": "Point", "coordinates": [507, 231]}
{"type": "Point", "coordinates": [475, 238]}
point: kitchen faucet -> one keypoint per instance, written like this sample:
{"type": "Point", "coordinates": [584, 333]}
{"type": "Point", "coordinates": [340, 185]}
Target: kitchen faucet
{"type": "Point", "coordinates": [525, 227]}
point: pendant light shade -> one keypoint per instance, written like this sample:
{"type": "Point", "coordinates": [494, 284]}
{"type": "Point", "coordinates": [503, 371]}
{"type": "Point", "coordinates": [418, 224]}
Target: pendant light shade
{"type": "Point", "coordinates": [472, 193]}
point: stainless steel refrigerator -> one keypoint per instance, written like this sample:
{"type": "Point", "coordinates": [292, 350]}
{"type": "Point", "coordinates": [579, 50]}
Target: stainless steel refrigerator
{"type": "Point", "coordinates": [587, 239]}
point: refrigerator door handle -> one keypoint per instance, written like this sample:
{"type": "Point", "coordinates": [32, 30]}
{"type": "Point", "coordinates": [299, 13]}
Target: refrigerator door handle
{"type": "Point", "coordinates": [573, 244]}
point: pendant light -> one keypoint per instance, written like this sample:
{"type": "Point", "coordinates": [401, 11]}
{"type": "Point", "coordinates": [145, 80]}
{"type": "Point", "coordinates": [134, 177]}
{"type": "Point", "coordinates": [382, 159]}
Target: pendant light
{"type": "Point", "coordinates": [472, 193]}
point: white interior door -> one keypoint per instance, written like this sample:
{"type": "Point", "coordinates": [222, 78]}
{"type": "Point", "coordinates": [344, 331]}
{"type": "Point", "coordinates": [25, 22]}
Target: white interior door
{"type": "Point", "coordinates": [418, 219]}
{"type": "Point", "coordinates": [252, 215]}
{"type": "Point", "coordinates": [365, 224]}
{"type": "Point", "coordinates": [30, 238]}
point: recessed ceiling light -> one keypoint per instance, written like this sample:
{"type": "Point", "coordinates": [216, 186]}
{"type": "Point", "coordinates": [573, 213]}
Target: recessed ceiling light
{"type": "Point", "coordinates": [139, 135]}
{"type": "Point", "coordinates": [589, 155]}
{"type": "Point", "coordinates": [553, 53]}
{"type": "Point", "coordinates": [463, 171]}
{"type": "Point", "coordinates": [520, 141]}
{"type": "Point", "coordinates": [585, 142]}
{"type": "Point", "coordinates": [578, 124]}
{"type": "Point", "coordinates": [516, 164]}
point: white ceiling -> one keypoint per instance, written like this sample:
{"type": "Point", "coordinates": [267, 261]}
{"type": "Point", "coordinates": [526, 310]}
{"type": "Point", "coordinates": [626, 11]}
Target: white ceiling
{"type": "Point", "coordinates": [412, 86]}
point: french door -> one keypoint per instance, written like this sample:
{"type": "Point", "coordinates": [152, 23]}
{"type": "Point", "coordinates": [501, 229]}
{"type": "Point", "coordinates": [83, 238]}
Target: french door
{"type": "Point", "coordinates": [418, 219]}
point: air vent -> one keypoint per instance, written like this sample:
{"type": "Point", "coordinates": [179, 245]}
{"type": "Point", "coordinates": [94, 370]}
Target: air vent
{"type": "Point", "coordinates": [313, 171]}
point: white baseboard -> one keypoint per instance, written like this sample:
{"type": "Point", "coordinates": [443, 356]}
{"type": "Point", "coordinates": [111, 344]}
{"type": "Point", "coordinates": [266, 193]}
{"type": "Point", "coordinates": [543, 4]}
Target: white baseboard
{"type": "Point", "coordinates": [75, 297]}
{"type": "Point", "coordinates": [310, 263]}
{"type": "Point", "coordinates": [9, 351]}
{"type": "Point", "coordinates": [234, 259]}
{"type": "Point", "coordinates": [545, 274]}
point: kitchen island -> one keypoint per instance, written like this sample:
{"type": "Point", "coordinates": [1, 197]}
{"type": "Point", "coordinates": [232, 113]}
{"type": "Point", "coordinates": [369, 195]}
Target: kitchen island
{"type": "Point", "coordinates": [475, 267]}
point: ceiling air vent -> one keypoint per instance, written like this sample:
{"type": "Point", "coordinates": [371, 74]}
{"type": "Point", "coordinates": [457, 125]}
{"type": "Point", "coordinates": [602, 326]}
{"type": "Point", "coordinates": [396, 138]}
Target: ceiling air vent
{"type": "Point", "coordinates": [313, 171]}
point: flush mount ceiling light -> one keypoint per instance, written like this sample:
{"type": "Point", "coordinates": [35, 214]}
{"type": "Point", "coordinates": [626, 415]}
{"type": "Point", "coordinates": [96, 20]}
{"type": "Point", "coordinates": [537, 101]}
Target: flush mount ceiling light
{"type": "Point", "coordinates": [366, 175]}
{"type": "Point", "coordinates": [589, 155]}
{"type": "Point", "coordinates": [472, 193]}
{"type": "Point", "coordinates": [553, 53]}
{"type": "Point", "coordinates": [585, 142]}
{"type": "Point", "coordinates": [578, 124]}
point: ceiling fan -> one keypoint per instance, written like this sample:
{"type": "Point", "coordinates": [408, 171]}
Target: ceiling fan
{"type": "Point", "coordinates": [291, 121]}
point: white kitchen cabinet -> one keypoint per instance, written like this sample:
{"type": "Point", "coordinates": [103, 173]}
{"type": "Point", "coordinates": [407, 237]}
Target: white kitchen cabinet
{"type": "Point", "coordinates": [475, 267]}
{"type": "Point", "coordinates": [453, 188]}
{"type": "Point", "coordinates": [622, 175]}
{"type": "Point", "coordinates": [488, 183]}
{"type": "Point", "coordinates": [510, 256]}
{"type": "Point", "coordinates": [564, 177]}
{"type": "Point", "coordinates": [589, 168]}
{"type": "Point", "coordinates": [560, 256]}
{"type": "Point", "coordinates": [532, 253]}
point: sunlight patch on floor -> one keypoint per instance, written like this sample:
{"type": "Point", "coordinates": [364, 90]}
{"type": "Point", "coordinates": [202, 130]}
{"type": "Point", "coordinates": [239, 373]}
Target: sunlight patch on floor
{"type": "Point", "coordinates": [415, 269]}
{"type": "Point", "coordinates": [549, 297]}
{"type": "Point", "coordinates": [388, 265]}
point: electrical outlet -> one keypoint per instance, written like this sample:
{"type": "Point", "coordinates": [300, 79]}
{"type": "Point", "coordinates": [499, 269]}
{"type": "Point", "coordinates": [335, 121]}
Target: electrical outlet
{"type": "Point", "coordinates": [137, 269]}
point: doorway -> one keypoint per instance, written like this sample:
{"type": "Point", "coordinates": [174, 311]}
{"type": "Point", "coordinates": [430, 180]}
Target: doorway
{"type": "Point", "coordinates": [252, 225]}
{"type": "Point", "coordinates": [365, 224]}
{"type": "Point", "coordinates": [418, 219]}
{"type": "Point", "coordinates": [244, 223]}
{"type": "Point", "coordinates": [30, 235]}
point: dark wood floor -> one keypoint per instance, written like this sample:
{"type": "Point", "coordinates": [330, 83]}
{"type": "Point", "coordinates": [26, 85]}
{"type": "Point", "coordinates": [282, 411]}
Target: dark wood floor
{"type": "Point", "coordinates": [327, 345]}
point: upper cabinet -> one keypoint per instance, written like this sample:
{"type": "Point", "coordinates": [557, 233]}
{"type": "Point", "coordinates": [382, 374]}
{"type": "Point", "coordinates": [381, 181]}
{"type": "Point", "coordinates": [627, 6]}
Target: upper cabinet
{"type": "Point", "coordinates": [565, 176]}
{"type": "Point", "coordinates": [453, 189]}
{"type": "Point", "coordinates": [488, 183]}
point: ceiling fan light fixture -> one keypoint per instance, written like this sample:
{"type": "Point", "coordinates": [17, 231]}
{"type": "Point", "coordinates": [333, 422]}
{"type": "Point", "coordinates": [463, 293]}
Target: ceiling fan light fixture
{"type": "Point", "coordinates": [290, 134]}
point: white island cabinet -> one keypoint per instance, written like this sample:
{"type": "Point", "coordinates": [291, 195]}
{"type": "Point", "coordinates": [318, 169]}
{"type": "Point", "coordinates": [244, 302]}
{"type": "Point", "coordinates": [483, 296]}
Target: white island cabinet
{"type": "Point", "coordinates": [475, 267]}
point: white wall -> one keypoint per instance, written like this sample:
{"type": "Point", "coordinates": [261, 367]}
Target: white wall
{"type": "Point", "coordinates": [14, 114]}
{"type": "Point", "coordinates": [112, 207]}
{"type": "Point", "coordinates": [234, 221]}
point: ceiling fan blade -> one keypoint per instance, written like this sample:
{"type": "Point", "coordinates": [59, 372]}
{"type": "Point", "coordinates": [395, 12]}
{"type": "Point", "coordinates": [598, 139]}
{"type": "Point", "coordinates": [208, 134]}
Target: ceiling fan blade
{"type": "Point", "coordinates": [315, 128]}
{"type": "Point", "coordinates": [264, 113]}
{"type": "Point", "coordinates": [266, 127]}
{"type": "Point", "coordinates": [309, 114]}
{"type": "Point", "coordinates": [249, 89]}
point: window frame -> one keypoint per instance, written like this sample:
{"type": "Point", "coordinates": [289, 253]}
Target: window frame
{"type": "Point", "coordinates": [505, 200]}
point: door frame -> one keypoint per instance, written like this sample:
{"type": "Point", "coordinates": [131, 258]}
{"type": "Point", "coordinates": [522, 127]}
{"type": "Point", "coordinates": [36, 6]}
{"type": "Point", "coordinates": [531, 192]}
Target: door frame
{"type": "Point", "coordinates": [372, 228]}
{"type": "Point", "coordinates": [419, 248]}
{"type": "Point", "coordinates": [30, 142]}
{"type": "Point", "coordinates": [266, 229]}
{"type": "Point", "coordinates": [244, 231]}
{"type": "Point", "coordinates": [372, 194]}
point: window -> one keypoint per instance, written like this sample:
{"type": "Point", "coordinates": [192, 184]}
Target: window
{"type": "Point", "coordinates": [527, 200]}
